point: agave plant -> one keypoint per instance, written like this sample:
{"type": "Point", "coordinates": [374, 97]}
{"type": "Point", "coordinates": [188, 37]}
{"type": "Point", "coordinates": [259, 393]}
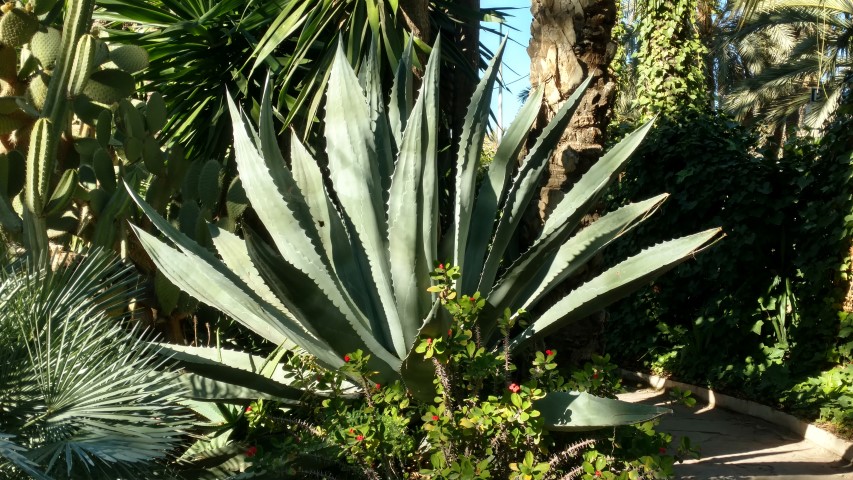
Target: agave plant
{"type": "Point", "coordinates": [344, 261]}
{"type": "Point", "coordinates": [81, 395]}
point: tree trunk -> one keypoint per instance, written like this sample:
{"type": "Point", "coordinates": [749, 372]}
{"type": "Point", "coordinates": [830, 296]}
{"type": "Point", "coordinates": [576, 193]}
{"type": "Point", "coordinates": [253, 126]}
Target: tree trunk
{"type": "Point", "coordinates": [572, 40]}
{"type": "Point", "coordinates": [416, 15]}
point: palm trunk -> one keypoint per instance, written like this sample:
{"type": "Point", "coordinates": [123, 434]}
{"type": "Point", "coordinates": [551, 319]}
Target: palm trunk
{"type": "Point", "coordinates": [572, 40]}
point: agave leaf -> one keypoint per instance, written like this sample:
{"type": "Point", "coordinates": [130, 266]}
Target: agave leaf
{"type": "Point", "coordinates": [235, 255]}
{"type": "Point", "coordinates": [580, 411]}
{"type": "Point", "coordinates": [412, 222]}
{"type": "Point", "coordinates": [493, 188]}
{"type": "Point", "coordinates": [402, 94]}
{"type": "Point", "coordinates": [352, 155]}
{"type": "Point", "coordinates": [347, 262]}
{"type": "Point", "coordinates": [343, 333]}
{"type": "Point", "coordinates": [523, 282]}
{"type": "Point", "coordinates": [229, 375]}
{"type": "Point", "coordinates": [525, 185]}
{"type": "Point", "coordinates": [280, 206]}
{"type": "Point", "coordinates": [418, 372]}
{"type": "Point", "coordinates": [468, 160]}
{"type": "Point", "coordinates": [615, 283]}
{"type": "Point", "coordinates": [568, 213]}
{"type": "Point", "coordinates": [371, 82]}
{"type": "Point", "coordinates": [295, 240]}
{"type": "Point", "coordinates": [208, 284]}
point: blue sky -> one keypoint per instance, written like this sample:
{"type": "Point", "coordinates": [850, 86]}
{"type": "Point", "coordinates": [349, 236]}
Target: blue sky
{"type": "Point", "coordinates": [516, 61]}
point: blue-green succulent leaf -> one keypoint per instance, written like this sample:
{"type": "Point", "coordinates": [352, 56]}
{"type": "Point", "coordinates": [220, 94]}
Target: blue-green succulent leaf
{"type": "Point", "coordinates": [468, 161]}
{"type": "Point", "coordinates": [412, 220]}
{"type": "Point", "coordinates": [580, 411]}
{"type": "Point", "coordinates": [525, 185]}
{"type": "Point", "coordinates": [615, 283]}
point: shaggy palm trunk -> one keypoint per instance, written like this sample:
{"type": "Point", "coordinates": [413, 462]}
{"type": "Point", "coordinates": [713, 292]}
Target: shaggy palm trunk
{"type": "Point", "coordinates": [572, 40]}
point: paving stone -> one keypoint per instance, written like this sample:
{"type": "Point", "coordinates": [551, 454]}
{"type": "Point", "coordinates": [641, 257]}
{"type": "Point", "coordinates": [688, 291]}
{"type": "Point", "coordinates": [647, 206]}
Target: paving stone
{"type": "Point", "coordinates": [740, 447]}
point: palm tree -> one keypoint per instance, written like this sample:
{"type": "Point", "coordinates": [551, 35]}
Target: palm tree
{"type": "Point", "coordinates": [797, 59]}
{"type": "Point", "coordinates": [80, 393]}
{"type": "Point", "coordinates": [590, 24]}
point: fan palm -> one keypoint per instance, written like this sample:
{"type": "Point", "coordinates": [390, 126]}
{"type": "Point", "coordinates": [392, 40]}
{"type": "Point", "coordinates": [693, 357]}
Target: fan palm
{"type": "Point", "coordinates": [79, 393]}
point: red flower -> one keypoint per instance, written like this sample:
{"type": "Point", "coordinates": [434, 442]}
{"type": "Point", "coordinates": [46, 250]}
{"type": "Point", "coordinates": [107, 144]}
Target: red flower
{"type": "Point", "coordinates": [662, 450]}
{"type": "Point", "coordinates": [441, 266]}
{"type": "Point", "coordinates": [450, 333]}
{"type": "Point", "coordinates": [548, 352]}
{"type": "Point", "coordinates": [350, 430]}
{"type": "Point", "coordinates": [598, 473]}
{"type": "Point", "coordinates": [360, 438]}
{"type": "Point", "coordinates": [346, 358]}
{"type": "Point", "coordinates": [249, 408]}
{"type": "Point", "coordinates": [435, 418]}
{"type": "Point", "coordinates": [429, 341]}
{"type": "Point", "coordinates": [471, 299]}
{"type": "Point", "coordinates": [514, 388]}
{"type": "Point", "coordinates": [595, 375]}
{"type": "Point", "coordinates": [251, 451]}
{"type": "Point", "coordinates": [378, 386]}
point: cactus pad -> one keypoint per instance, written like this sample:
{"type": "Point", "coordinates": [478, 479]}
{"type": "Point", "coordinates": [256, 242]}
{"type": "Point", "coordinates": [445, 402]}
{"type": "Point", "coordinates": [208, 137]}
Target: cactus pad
{"type": "Point", "coordinates": [130, 58]}
{"type": "Point", "coordinates": [45, 47]}
{"type": "Point", "coordinates": [17, 27]}
{"type": "Point", "coordinates": [37, 91]}
{"type": "Point", "coordinates": [109, 86]}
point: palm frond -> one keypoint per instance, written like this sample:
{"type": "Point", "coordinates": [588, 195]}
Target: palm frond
{"type": "Point", "coordinates": [85, 391]}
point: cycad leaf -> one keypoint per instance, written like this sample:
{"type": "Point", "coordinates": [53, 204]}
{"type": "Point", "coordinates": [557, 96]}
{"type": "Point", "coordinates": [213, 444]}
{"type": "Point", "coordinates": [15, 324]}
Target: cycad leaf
{"type": "Point", "coordinates": [580, 411]}
{"type": "Point", "coordinates": [615, 283]}
{"type": "Point", "coordinates": [354, 173]}
{"type": "Point", "coordinates": [412, 223]}
{"type": "Point", "coordinates": [493, 189]}
{"type": "Point", "coordinates": [468, 159]}
{"type": "Point", "coordinates": [525, 185]}
{"type": "Point", "coordinates": [528, 280]}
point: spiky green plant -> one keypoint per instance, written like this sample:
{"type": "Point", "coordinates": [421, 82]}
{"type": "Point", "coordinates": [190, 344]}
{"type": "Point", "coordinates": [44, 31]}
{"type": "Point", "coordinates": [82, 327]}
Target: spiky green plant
{"type": "Point", "coordinates": [81, 395]}
{"type": "Point", "coordinates": [348, 268]}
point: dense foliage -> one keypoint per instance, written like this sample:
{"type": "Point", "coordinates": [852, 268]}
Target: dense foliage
{"type": "Point", "coordinates": [782, 315]}
{"type": "Point", "coordinates": [481, 422]}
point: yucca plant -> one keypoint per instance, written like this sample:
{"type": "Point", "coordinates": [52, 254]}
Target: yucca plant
{"type": "Point", "coordinates": [344, 262]}
{"type": "Point", "coordinates": [81, 395]}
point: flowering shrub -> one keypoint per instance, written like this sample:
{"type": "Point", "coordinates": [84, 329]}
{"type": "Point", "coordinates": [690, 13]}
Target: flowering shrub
{"type": "Point", "coordinates": [479, 421]}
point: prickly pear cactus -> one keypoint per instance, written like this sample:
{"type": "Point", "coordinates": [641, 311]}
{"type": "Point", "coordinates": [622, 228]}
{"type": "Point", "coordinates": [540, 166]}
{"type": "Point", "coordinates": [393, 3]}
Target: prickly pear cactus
{"type": "Point", "coordinates": [55, 189]}
{"type": "Point", "coordinates": [17, 25]}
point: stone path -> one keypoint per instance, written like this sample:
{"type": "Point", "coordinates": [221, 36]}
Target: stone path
{"type": "Point", "coordinates": [735, 446]}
